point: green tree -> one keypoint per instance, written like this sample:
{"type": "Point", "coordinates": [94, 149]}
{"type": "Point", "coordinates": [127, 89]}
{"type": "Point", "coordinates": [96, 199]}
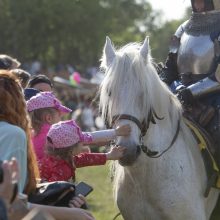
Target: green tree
{"type": "Point", "coordinates": [69, 31]}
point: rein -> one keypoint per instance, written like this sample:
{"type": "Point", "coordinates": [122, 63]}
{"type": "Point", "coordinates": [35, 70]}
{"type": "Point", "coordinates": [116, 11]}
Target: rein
{"type": "Point", "coordinates": [143, 126]}
{"type": "Point", "coordinates": [155, 154]}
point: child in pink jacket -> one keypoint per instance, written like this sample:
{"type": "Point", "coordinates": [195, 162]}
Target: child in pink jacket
{"type": "Point", "coordinates": [44, 110]}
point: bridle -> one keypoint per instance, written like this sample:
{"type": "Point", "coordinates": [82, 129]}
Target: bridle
{"type": "Point", "coordinates": [143, 126]}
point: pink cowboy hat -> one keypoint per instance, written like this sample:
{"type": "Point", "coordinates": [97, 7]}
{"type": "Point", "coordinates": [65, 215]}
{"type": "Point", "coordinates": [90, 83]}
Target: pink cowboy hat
{"type": "Point", "coordinates": [46, 100]}
{"type": "Point", "coordinates": [66, 134]}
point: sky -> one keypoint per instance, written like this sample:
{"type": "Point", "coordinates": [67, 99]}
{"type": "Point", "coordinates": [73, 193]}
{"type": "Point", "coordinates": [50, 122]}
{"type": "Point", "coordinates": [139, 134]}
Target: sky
{"type": "Point", "coordinates": [172, 9]}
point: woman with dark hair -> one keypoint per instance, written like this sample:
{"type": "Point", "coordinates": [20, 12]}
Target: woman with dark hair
{"type": "Point", "coordinates": [15, 142]}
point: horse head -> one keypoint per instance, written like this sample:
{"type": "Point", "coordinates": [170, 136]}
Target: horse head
{"type": "Point", "coordinates": [124, 93]}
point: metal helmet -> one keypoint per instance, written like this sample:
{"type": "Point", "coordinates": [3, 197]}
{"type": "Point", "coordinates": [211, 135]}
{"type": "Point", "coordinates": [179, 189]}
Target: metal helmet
{"type": "Point", "coordinates": [206, 5]}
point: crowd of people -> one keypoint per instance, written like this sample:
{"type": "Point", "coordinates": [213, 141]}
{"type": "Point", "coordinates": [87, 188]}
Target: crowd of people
{"type": "Point", "coordinates": [38, 144]}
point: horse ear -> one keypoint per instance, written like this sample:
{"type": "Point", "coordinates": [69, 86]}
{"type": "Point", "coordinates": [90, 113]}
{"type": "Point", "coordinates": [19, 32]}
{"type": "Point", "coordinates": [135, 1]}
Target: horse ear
{"type": "Point", "coordinates": [109, 51]}
{"type": "Point", "coordinates": [145, 48]}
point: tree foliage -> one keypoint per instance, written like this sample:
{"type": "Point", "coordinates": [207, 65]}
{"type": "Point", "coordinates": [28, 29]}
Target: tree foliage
{"type": "Point", "coordinates": [74, 31]}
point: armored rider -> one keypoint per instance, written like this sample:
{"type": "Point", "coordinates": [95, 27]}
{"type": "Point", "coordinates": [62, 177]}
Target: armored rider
{"type": "Point", "coordinates": [192, 67]}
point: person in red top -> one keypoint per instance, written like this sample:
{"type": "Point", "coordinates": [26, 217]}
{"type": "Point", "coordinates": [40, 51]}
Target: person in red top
{"type": "Point", "coordinates": [64, 143]}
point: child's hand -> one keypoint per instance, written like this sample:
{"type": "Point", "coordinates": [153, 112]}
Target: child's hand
{"type": "Point", "coordinates": [123, 130]}
{"type": "Point", "coordinates": [115, 153]}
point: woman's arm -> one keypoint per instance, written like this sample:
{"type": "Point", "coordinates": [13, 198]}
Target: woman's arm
{"type": "Point", "coordinates": [63, 213]}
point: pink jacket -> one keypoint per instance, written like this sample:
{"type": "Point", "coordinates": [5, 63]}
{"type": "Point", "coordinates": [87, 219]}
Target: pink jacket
{"type": "Point", "coordinates": [39, 141]}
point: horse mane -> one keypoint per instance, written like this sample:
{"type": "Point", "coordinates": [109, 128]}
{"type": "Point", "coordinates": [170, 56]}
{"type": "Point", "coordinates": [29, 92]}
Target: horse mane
{"type": "Point", "coordinates": [135, 74]}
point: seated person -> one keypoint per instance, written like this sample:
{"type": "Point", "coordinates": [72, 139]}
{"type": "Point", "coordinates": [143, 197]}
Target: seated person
{"type": "Point", "coordinates": [40, 82]}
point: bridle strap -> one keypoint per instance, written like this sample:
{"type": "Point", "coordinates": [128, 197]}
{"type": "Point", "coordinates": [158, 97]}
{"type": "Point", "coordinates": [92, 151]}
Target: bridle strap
{"type": "Point", "coordinates": [127, 117]}
{"type": "Point", "coordinates": [143, 126]}
{"type": "Point", "coordinates": [155, 154]}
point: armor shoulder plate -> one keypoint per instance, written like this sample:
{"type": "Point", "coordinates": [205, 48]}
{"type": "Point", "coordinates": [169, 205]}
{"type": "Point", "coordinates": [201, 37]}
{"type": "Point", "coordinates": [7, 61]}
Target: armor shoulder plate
{"type": "Point", "coordinates": [180, 30]}
{"type": "Point", "coordinates": [175, 40]}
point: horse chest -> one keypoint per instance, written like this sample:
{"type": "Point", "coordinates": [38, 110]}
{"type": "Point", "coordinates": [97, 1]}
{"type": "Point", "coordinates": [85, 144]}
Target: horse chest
{"type": "Point", "coordinates": [154, 193]}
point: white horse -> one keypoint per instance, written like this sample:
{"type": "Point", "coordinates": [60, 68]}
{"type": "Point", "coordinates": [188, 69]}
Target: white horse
{"type": "Point", "coordinates": [168, 180]}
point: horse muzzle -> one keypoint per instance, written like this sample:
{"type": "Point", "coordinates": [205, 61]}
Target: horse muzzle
{"type": "Point", "coordinates": [130, 156]}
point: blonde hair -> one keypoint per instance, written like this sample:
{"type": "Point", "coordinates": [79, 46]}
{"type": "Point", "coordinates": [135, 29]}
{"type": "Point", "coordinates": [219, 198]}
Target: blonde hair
{"type": "Point", "coordinates": [37, 117]}
{"type": "Point", "coordinates": [13, 110]}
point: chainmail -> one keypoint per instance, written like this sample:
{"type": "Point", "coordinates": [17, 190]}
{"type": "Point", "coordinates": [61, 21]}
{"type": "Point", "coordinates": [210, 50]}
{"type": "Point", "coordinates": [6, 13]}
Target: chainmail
{"type": "Point", "coordinates": [203, 23]}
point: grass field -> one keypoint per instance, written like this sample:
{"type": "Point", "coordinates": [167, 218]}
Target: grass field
{"type": "Point", "coordinates": [100, 201]}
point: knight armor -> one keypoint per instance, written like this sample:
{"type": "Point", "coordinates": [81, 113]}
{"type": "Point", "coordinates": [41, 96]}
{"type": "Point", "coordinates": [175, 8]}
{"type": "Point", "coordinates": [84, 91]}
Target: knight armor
{"type": "Point", "coordinates": [192, 67]}
{"type": "Point", "coordinates": [198, 52]}
{"type": "Point", "coordinates": [195, 50]}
